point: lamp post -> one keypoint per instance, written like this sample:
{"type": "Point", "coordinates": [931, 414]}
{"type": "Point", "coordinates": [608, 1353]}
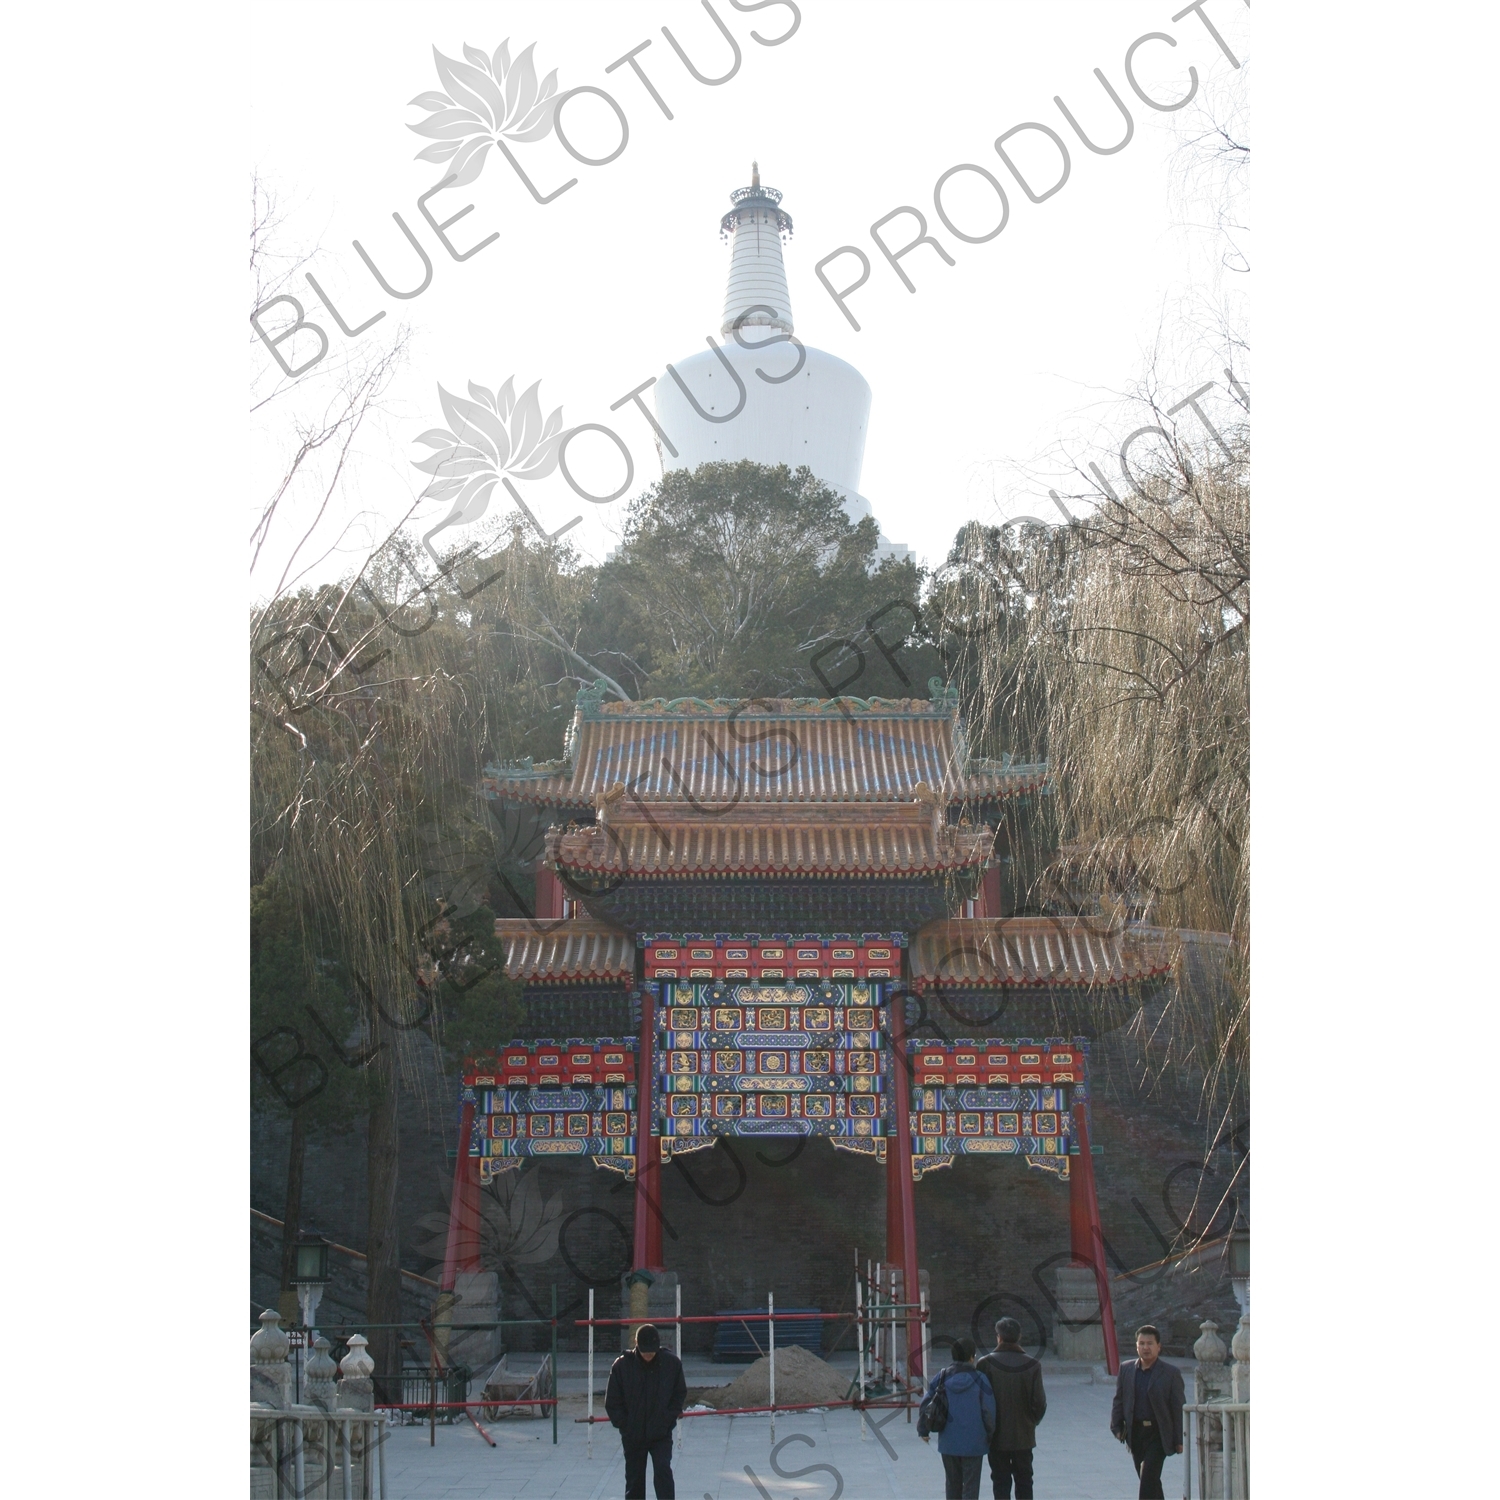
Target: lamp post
{"type": "Point", "coordinates": [1239, 1267]}
{"type": "Point", "coordinates": [311, 1274]}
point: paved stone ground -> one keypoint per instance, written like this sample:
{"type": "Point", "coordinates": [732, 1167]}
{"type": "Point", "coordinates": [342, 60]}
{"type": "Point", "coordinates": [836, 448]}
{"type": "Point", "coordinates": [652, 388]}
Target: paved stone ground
{"type": "Point", "coordinates": [1076, 1458]}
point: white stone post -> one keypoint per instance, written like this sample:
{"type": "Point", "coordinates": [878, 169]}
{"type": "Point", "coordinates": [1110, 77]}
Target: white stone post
{"type": "Point", "coordinates": [1211, 1380]}
{"type": "Point", "coordinates": [322, 1373]}
{"type": "Point", "coordinates": [270, 1392]}
{"type": "Point", "coordinates": [270, 1374]}
{"type": "Point", "coordinates": [356, 1390]}
{"type": "Point", "coordinates": [1239, 1371]}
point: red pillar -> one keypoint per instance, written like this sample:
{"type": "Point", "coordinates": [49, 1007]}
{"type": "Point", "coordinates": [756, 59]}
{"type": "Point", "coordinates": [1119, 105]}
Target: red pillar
{"type": "Point", "coordinates": [991, 900]}
{"type": "Point", "coordinates": [549, 891]}
{"type": "Point", "coordinates": [1080, 1236]}
{"type": "Point", "coordinates": [901, 1245]}
{"type": "Point", "coordinates": [1087, 1232]}
{"type": "Point", "coordinates": [462, 1252]}
{"type": "Point", "coordinates": [893, 1166]}
{"type": "Point", "coordinates": [647, 1252]}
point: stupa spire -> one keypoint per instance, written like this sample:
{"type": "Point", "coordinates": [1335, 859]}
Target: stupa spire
{"type": "Point", "coordinates": [757, 277]}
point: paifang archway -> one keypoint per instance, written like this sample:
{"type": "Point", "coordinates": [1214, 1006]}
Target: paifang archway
{"type": "Point", "coordinates": [720, 868]}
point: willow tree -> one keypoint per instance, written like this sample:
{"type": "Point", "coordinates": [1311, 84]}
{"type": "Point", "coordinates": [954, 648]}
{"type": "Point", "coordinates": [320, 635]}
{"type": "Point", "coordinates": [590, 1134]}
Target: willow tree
{"type": "Point", "coordinates": [1119, 648]}
{"type": "Point", "coordinates": [374, 705]}
{"type": "Point", "coordinates": [1147, 673]}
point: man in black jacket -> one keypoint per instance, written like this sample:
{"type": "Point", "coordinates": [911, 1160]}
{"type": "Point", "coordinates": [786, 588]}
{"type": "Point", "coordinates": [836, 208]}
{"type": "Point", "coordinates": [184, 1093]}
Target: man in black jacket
{"type": "Point", "coordinates": [1147, 1412]}
{"type": "Point", "coordinates": [644, 1399]}
{"type": "Point", "coordinates": [1020, 1403]}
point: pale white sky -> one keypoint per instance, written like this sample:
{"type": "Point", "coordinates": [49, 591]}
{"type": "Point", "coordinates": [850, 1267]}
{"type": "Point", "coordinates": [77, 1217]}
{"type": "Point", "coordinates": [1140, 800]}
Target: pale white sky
{"type": "Point", "coordinates": [1026, 343]}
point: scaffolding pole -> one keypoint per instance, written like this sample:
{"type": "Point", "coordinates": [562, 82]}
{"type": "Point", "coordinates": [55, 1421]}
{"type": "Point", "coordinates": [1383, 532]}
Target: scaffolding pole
{"type": "Point", "coordinates": [859, 1315]}
{"type": "Point", "coordinates": [771, 1344]}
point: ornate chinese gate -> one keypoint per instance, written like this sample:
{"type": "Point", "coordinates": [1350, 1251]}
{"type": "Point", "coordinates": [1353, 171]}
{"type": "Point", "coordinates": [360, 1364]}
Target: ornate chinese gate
{"type": "Point", "coordinates": [814, 813]}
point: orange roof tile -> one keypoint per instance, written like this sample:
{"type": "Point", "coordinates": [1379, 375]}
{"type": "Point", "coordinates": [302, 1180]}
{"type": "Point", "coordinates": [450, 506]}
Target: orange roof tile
{"type": "Point", "coordinates": [981, 952]}
{"type": "Point", "coordinates": [566, 948]}
{"type": "Point", "coordinates": [895, 839]}
{"type": "Point", "coordinates": [733, 752]}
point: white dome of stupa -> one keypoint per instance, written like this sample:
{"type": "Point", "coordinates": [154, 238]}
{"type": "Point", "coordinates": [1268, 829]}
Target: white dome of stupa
{"type": "Point", "coordinates": [750, 396]}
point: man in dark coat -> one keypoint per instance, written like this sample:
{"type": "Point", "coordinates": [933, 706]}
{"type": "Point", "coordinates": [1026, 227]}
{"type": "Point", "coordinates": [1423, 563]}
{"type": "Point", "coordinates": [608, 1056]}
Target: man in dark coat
{"type": "Point", "coordinates": [1020, 1403]}
{"type": "Point", "coordinates": [1147, 1412]}
{"type": "Point", "coordinates": [644, 1399]}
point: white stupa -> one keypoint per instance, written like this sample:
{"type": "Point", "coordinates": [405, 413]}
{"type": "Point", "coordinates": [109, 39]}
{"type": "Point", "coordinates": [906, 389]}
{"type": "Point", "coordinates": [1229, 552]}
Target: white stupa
{"type": "Point", "coordinates": [715, 407]}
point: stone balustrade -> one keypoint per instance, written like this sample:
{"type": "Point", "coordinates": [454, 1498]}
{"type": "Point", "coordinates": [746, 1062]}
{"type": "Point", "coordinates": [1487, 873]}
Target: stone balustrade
{"type": "Point", "coordinates": [1220, 1414]}
{"type": "Point", "coordinates": [330, 1444]}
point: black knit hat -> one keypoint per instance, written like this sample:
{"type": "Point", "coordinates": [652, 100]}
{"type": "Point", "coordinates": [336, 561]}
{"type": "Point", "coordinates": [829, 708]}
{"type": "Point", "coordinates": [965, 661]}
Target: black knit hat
{"type": "Point", "coordinates": [647, 1338]}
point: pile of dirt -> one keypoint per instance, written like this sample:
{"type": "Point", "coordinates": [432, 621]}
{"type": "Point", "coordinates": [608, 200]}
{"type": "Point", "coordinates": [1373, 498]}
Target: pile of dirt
{"type": "Point", "coordinates": [801, 1379]}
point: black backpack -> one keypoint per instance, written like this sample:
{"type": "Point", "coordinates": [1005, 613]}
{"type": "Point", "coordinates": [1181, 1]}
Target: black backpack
{"type": "Point", "coordinates": [935, 1418]}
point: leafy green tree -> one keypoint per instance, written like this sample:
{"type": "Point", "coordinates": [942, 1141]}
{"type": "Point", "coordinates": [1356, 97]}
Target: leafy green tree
{"type": "Point", "coordinates": [985, 605]}
{"type": "Point", "coordinates": [741, 580]}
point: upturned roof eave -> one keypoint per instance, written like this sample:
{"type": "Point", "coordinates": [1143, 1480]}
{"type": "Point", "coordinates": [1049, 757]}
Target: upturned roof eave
{"type": "Point", "coordinates": [1003, 953]}
{"type": "Point", "coordinates": [821, 872]}
{"type": "Point", "coordinates": [614, 746]}
{"type": "Point", "coordinates": [565, 794]}
{"type": "Point", "coordinates": [566, 950]}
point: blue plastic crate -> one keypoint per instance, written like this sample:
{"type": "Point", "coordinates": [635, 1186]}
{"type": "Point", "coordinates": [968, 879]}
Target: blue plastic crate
{"type": "Point", "coordinates": [738, 1341]}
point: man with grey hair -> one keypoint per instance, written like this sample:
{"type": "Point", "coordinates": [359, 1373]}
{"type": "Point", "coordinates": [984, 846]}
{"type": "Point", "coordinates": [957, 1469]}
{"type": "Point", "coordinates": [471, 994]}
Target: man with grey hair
{"type": "Point", "coordinates": [1020, 1403]}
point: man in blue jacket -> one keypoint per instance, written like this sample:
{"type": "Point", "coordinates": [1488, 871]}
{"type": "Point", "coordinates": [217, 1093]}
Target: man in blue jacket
{"type": "Point", "coordinates": [965, 1438]}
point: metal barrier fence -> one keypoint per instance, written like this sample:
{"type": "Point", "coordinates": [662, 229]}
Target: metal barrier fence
{"type": "Point", "coordinates": [442, 1375]}
{"type": "Point", "coordinates": [901, 1313]}
{"type": "Point", "coordinates": [1219, 1433]}
{"type": "Point", "coordinates": [422, 1387]}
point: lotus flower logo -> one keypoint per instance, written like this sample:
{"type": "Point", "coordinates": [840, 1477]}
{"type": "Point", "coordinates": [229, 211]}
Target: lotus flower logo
{"type": "Point", "coordinates": [489, 436]}
{"type": "Point", "coordinates": [487, 98]}
{"type": "Point", "coordinates": [517, 1226]}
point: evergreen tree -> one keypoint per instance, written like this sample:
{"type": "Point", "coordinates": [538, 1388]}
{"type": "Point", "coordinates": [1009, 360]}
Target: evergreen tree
{"type": "Point", "coordinates": [741, 580]}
